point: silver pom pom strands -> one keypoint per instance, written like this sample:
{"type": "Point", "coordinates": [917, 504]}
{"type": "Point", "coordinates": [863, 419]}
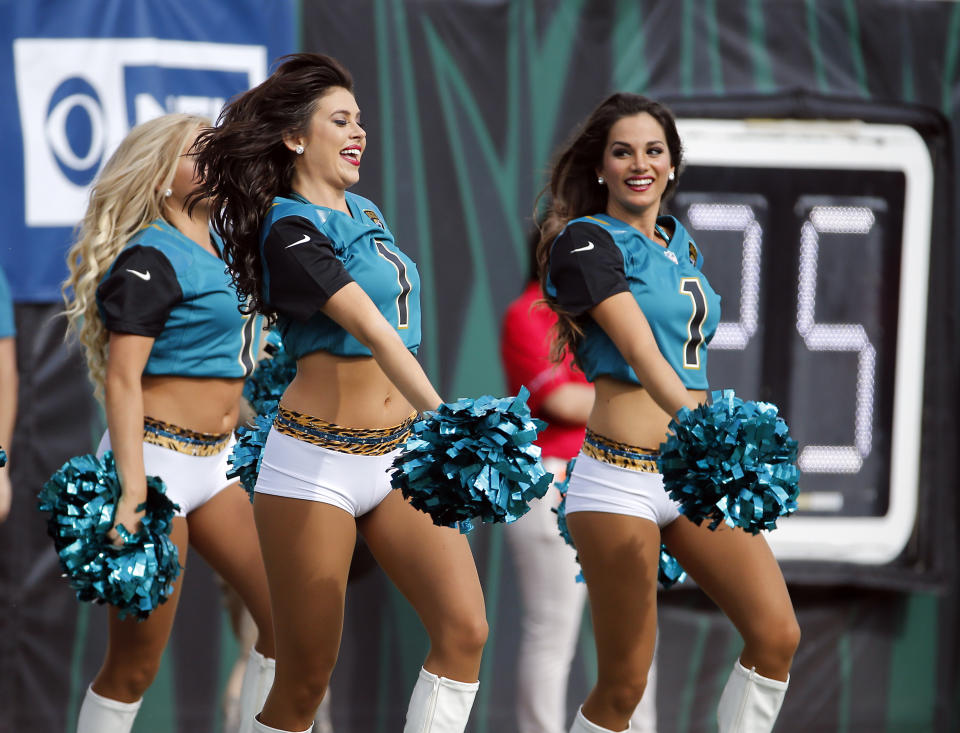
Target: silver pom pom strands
{"type": "Point", "coordinates": [473, 460]}
{"type": "Point", "coordinates": [732, 462]}
{"type": "Point", "coordinates": [669, 571]}
{"type": "Point", "coordinates": [136, 576]}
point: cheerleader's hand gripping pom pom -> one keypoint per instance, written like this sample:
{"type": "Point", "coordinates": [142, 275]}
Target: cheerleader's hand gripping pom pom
{"type": "Point", "coordinates": [733, 462]}
{"type": "Point", "coordinates": [136, 576]}
{"type": "Point", "coordinates": [669, 571]}
{"type": "Point", "coordinates": [264, 388]}
{"type": "Point", "coordinates": [473, 460]}
{"type": "Point", "coordinates": [247, 452]}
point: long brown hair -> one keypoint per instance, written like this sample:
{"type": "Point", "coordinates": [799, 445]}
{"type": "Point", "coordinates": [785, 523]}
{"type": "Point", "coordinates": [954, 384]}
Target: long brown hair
{"type": "Point", "coordinates": [574, 192]}
{"type": "Point", "coordinates": [243, 163]}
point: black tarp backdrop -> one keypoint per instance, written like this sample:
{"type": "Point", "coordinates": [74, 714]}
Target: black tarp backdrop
{"type": "Point", "coordinates": [38, 619]}
{"type": "Point", "coordinates": [464, 103]}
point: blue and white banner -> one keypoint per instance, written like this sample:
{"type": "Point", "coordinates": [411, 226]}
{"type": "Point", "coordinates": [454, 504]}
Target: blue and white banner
{"type": "Point", "coordinates": [83, 73]}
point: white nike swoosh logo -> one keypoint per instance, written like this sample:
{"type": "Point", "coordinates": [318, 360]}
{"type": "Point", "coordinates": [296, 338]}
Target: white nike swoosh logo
{"type": "Point", "coordinates": [141, 275]}
{"type": "Point", "coordinates": [306, 238]}
{"type": "Point", "coordinates": [587, 247]}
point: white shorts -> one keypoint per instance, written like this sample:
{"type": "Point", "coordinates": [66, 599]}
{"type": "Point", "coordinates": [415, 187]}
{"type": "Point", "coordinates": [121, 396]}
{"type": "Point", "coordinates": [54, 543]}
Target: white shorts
{"type": "Point", "coordinates": [302, 470]}
{"type": "Point", "coordinates": [601, 486]}
{"type": "Point", "coordinates": [307, 458]}
{"type": "Point", "coordinates": [191, 480]}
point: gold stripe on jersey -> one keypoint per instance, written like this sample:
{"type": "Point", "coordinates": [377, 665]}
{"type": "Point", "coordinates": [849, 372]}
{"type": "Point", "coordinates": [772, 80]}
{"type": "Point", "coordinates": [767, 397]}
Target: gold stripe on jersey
{"type": "Point", "coordinates": [599, 221]}
{"type": "Point", "coordinates": [358, 441]}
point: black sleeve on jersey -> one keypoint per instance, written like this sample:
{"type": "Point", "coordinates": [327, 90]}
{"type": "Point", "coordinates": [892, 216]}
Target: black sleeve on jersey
{"type": "Point", "coordinates": [304, 270]}
{"type": "Point", "coordinates": [140, 292]}
{"type": "Point", "coordinates": [586, 267]}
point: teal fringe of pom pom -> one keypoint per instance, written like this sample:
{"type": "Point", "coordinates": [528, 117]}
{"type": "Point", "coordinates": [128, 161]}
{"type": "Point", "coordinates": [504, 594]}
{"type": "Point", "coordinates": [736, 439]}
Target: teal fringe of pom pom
{"type": "Point", "coordinates": [3, 458]}
{"type": "Point", "coordinates": [733, 462]}
{"type": "Point", "coordinates": [135, 577]}
{"type": "Point", "coordinates": [473, 460]}
{"type": "Point", "coordinates": [669, 571]}
{"type": "Point", "coordinates": [264, 388]}
{"type": "Point", "coordinates": [561, 512]}
{"type": "Point", "coordinates": [248, 452]}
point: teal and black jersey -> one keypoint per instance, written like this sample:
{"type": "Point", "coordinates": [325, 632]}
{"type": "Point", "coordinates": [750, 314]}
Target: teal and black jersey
{"type": "Point", "coordinates": [309, 252]}
{"type": "Point", "coordinates": [595, 257]}
{"type": "Point", "coordinates": [7, 327]}
{"type": "Point", "coordinates": [164, 285]}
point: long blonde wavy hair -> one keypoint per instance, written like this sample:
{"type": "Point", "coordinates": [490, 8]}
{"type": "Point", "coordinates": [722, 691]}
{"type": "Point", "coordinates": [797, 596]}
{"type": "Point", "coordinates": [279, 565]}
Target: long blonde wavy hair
{"type": "Point", "coordinates": [127, 195]}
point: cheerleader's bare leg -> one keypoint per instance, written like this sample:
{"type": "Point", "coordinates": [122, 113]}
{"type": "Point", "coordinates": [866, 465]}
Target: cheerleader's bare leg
{"type": "Point", "coordinates": [134, 650]}
{"type": "Point", "coordinates": [619, 556]}
{"type": "Point", "coordinates": [739, 572]}
{"type": "Point", "coordinates": [222, 530]}
{"type": "Point", "coordinates": [307, 547]}
{"type": "Point", "coordinates": [552, 613]}
{"type": "Point", "coordinates": [433, 567]}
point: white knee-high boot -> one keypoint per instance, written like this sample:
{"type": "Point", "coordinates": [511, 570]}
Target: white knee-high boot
{"type": "Point", "coordinates": [439, 705]}
{"type": "Point", "coordinates": [322, 721]}
{"type": "Point", "coordinates": [259, 727]}
{"type": "Point", "coordinates": [99, 714]}
{"type": "Point", "coordinates": [582, 725]}
{"type": "Point", "coordinates": [257, 681]}
{"type": "Point", "coordinates": [749, 702]}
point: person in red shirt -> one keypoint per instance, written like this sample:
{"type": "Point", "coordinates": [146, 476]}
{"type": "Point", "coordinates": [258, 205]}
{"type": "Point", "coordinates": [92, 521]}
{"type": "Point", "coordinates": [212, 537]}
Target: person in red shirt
{"type": "Point", "coordinates": [546, 566]}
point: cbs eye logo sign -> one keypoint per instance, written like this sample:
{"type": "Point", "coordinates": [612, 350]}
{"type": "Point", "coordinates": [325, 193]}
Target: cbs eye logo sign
{"type": "Point", "coordinates": [79, 97]}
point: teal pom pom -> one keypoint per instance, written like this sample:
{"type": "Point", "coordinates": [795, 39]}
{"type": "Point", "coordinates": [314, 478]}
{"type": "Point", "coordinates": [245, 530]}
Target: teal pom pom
{"type": "Point", "coordinates": [669, 571]}
{"type": "Point", "coordinates": [3, 458]}
{"type": "Point", "coordinates": [733, 462]}
{"type": "Point", "coordinates": [135, 577]}
{"type": "Point", "coordinates": [561, 512]}
{"type": "Point", "coordinates": [264, 388]}
{"type": "Point", "coordinates": [248, 452]}
{"type": "Point", "coordinates": [473, 460]}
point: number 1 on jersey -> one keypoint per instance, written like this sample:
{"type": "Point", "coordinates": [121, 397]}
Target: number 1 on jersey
{"type": "Point", "coordinates": [691, 349]}
{"type": "Point", "coordinates": [403, 305]}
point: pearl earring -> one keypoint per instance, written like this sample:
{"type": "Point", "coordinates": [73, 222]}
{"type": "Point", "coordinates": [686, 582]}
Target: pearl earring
{"type": "Point", "coordinates": [298, 150]}
{"type": "Point", "coordinates": [671, 176]}
{"type": "Point", "coordinates": [168, 193]}
{"type": "Point", "coordinates": [600, 180]}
